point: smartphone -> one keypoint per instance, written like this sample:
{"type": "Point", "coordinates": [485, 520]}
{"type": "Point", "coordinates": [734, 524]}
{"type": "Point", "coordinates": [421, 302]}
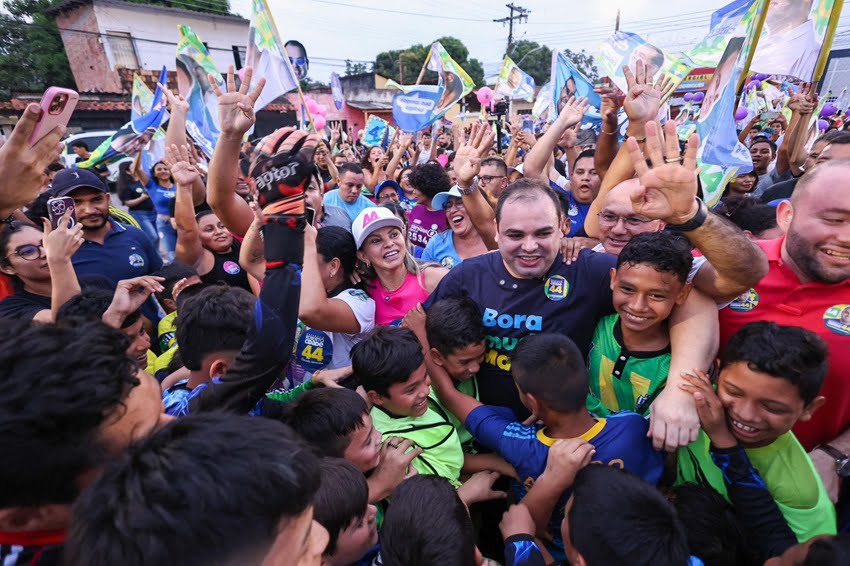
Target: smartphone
{"type": "Point", "coordinates": [528, 126]}
{"type": "Point", "coordinates": [351, 382]}
{"type": "Point", "coordinates": [311, 214]}
{"type": "Point", "coordinates": [57, 105]}
{"type": "Point", "coordinates": [56, 207]}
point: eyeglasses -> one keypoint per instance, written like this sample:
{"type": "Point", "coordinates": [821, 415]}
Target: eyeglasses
{"type": "Point", "coordinates": [453, 202]}
{"type": "Point", "coordinates": [486, 179]}
{"type": "Point", "coordinates": [29, 252]}
{"type": "Point", "coordinates": [608, 219]}
{"type": "Point", "coordinates": [300, 61]}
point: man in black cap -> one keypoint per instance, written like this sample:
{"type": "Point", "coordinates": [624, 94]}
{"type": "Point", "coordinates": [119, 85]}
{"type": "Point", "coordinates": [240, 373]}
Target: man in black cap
{"type": "Point", "coordinates": [111, 249]}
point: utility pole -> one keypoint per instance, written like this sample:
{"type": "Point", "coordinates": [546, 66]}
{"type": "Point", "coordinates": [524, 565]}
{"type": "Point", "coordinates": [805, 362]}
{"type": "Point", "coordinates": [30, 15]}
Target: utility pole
{"type": "Point", "coordinates": [617, 25]}
{"type": "Point", "coordinates": [522, 15]}
{"type": "Point", "coordinates": [400, 69]}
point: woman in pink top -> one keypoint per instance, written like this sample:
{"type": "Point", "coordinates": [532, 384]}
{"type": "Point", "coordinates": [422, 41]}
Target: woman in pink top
{"type": "Point", "coordinates": [396, 281]}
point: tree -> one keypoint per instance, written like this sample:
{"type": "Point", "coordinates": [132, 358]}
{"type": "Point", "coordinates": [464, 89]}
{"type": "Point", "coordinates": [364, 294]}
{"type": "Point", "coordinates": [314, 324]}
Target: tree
{"type": "Point", "coordinates": [310, 84]}
{"type": "Point", "coordinates": [206, 6]}
{"type": "Point", "coordinates": [409, 61]}
{"type": "Point", "coordinates": [584, 63]}
{"type": "Point", "coordinates": [352, 68]}
{"type": "Point", "coordinates": [32, 56]}
{"type": "Point", "coordinates": [534, 59]}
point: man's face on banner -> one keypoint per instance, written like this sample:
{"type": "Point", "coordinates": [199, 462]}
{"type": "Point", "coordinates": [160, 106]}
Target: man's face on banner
{"type": "Point", "coordinates": [651, 56]}
{"type": "Point", "coordinates": [298, 58]}
{"type": "Point", "coordinates": [785, 15]}
{"type": "Point", "coordinates": [568, 91]}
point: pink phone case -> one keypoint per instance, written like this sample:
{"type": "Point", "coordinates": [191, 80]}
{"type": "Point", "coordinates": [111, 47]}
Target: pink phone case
{"type": "Point", "coordinates": [56, 105]}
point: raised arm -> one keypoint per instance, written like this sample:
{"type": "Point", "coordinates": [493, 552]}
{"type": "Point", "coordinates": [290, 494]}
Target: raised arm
{"type": "Point", "coordinates": [537, 159]}
{"type": "Point", "coordinates": [403, 144]}
{"type": "Point", "coordinates": [59, 246]}
{"type": "Point", "coordinates": [316, 310]}
{"type": "Point", "coordinates": [802, 105]}
{"type": "Point", "coordinates": [189, 248]}
{"type": "Point", "coordinates": [251, 256]}
{"type": "Point", "coordinates": [513, 146]}
{"type": "Point", "coordinates": [609, 138]}
{"type": "Point", "coordinates": [236, 116]}
{"type": "Point", "coordinates": [467, 163]}
{"type": "Point", "coordinates": [175, 134]}
{"type": "Point", "coordinates": [140, 172]}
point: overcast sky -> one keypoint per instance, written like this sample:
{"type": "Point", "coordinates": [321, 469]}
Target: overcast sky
{"type": "Point", "coordinates": [335, 30]}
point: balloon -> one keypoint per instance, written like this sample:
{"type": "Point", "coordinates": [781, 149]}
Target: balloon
{"type": "Point", "coordinates": [756, 83]}
{"type": "Point", "coordinates": [312, 105]}
{"type": "Point", "coordinates": [319, 122]}
{"type": "Point", "coordinates": [699, 97]}
{"type": "Point", "coordinates": [241, 74]}
{"type": "Point", "coordinates": [689, 96]}
{"type": "Point", "coordinates": [741, 113]}
{"type": "Point", "coordinates": [823, 125]}
{"type": "Point", "coordinates": [485, 95]}
{"type": "Point", "coordinates": [828, 110]}
{"type": "Point", "coordinates": [322, 110]}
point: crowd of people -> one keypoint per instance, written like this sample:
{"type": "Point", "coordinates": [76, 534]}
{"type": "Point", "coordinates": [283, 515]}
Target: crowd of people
{"type": "Point", "coordinates": [305, 350]}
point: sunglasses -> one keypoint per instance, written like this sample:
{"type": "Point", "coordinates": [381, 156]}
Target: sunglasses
{"type": "Point", "coordinates": [300, 61]}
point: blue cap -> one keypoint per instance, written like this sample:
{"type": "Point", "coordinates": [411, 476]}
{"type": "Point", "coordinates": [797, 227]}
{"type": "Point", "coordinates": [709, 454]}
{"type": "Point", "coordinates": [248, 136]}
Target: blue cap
{"type": "Point", "coordinates": [68, 180]}
{"type": "Point", "coordinates": [390, 183]}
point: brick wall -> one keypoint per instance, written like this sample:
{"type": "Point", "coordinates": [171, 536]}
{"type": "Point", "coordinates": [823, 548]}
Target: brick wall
{"type": "Point", "coordinates": [86, 53]}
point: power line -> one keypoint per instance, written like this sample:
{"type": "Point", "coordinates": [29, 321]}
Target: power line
{"type": "Point", "coordinates": [522, 14]}
{"type": "Point", "coordinates": [399, 12]}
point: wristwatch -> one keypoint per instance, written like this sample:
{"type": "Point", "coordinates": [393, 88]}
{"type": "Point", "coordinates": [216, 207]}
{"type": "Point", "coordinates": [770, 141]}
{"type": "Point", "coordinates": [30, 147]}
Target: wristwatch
{"type": "Point", "coordinates": [695, 222]}
{"type": "Point", "coordinates": [842, 460]}
{"type": "Point", "coordinates": [469, 190]}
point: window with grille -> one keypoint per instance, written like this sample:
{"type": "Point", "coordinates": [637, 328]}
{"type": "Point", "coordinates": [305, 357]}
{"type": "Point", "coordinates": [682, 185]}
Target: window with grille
{"type": "Point", "coordinates": [123, 49]}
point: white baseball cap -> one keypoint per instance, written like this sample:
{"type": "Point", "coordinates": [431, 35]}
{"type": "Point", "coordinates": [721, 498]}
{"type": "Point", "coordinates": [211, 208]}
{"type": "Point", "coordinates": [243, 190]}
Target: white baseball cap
{"type": "Point", "coordinates": [440, 199]}
{"type": "Point", "coordinates": [371, 219]}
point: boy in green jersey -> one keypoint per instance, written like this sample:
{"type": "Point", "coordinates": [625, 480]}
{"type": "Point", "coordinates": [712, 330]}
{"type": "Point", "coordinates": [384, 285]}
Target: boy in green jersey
{"type": "Point", "coordinates": [630, 354]}
{"type": "Point", "coordinates": [770, 377]}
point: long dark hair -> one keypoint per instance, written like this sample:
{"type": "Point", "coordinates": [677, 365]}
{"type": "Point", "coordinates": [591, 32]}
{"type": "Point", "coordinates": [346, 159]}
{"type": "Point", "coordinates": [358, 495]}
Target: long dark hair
{"type": "Point", "coordinates": [153, 167]}
{"type": "Point", "coordinates": [336, 242]}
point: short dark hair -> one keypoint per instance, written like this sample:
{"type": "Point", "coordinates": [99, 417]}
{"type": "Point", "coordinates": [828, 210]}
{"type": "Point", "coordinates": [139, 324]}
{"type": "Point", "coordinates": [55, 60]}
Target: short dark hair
{"type": "Point", "coordinates": [172, 273]}
{"type": "Point", "coordinates": [326, 418]}
{"type": "Point", "coordinates": [165, 503]}
{"type": "Point", "coordinates": [54, 167]}
{"type": "Point", "coordinates": [550, 367]}
{"type": "Point", "coordinates": [713, 532]}
{"type": "Point", "coordinates": [829, 551]}
{"type": "Point", "coordinates": [388, 355]}
{"type": "Point", "coordinates": [91, 305]}
{"type": "Point", "coordinates": [335, 241]}
{"type": "Point", "coordinates": [748, 214]}
{"type": "Point", "coordinates": [342, 498]}
{"type": "Point", "coordinates": [426, 524]}
{"type": "Point", "coordinates": [496, 162]}
{"type": "Point", "coordinates": [12, 228]}
{"type": "Point", "coordinates": [430, 179]}
{"type": "Point", "coordinates": [837, 137]}
{"type": "Point", "coordinates": [617, 518]}
{"type": "Point", "coordinates": [664, 251]}
{"type": "Point", "coordinates": [60, 382]}
{"type": "Point", "coordinates": [215, 320]}
{"type": "Point", "coordinates": [763, 139]}
{"type": "Point", "coordinates": [786, 352]}
{"type": "Point", "coordinates": [454, 323]}
{"type": "Point", "coordinates": [586, 154]}
{"type": "Point", "coordinates": [350, 168]}
{"type": "Point", "coordinates": [80, 143]}
{"type": "Point", "coordinates": [524, 190]}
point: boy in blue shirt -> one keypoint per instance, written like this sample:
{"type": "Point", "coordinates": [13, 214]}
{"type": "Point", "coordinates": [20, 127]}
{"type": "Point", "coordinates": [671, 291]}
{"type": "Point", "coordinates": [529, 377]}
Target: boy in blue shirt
{"type": "Point", "coordinates": [552, 381]}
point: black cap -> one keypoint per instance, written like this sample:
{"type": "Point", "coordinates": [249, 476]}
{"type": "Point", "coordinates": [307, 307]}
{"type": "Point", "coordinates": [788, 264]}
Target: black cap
{"type": "Point", "coordinates": [68, 180]}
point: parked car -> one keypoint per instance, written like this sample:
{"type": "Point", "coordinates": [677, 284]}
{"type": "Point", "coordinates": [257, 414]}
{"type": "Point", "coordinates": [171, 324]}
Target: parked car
{"type": "Point", "coordinates": [92, 139]}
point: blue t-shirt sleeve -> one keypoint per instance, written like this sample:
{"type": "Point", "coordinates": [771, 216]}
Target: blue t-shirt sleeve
{"type": "Point", "coordinates": [155, 260]}
{"type": "Point", "coordinates": [452, 285]}
{"type": "Point", "coordinates": [430, 251]}
{"type": "Point", "coordinates": [598, 266]}
{"type": "Point", "coordinates": [487, 424]}
{"type": "Point", "coordinates": [639, 456]}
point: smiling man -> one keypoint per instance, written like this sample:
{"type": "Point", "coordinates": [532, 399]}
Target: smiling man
{"type": "Point", "coordinates": [349, 195]}
{"type": "Point", "coordinates": [808, 285]}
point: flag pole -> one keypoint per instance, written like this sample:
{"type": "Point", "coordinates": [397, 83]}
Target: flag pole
{"type": "Point", "coordinates": [759, 26]}
{"type": "Point", "coordinates": [288, 63]}
{"type": "Point", "coordinates": [424, 66]}
{"type": "Point", "coordinates": [828, 38]}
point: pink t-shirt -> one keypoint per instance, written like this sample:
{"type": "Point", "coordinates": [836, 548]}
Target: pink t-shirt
{"type": "Point", "coordinates": [424, 225]}
{"type": "Point", "coordinates": [390, 307]}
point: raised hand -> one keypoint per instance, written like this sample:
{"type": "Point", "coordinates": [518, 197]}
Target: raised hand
{"type": "Point", "coordinates": [183, 166]}
{"type": "Point", "coordinates": [569, 138]}
{"type": "Point", "coordinates": [668, 190]}
{"type": "Point", "coordinates": [643, 99]}
{"type": "Point", "coordinates": [176, 102]}
{"type": "Point", "coordinates": [236, 107]}
{"type": "Point", "coordinates": [572, 113]}
{"type": "Point", "coordinates": [130, 295]}
{"type": "Point", "coordinates": [468, 157]}
{"type": "Point", "coordinates": [62, 242]}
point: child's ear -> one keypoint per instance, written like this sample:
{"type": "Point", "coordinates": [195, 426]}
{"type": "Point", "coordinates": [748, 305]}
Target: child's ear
{"type": "Point", "coordinates": [374, 398]}
{"type": "Point", "coordinates": [613, 277]}
{"type": "Point", "coordinates": [219, 367]}
{"type": "Point", "coordinates": [437, 357]}
{"type": "Point", "coordinates": [683, 294]}
{"type": "Point", "coordinates": [812, 407]}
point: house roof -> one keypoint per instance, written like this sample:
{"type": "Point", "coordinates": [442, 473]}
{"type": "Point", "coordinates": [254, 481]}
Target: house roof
{"type": "Point", "coordinates": [92, 103]}
{"type": "Point", "coordinates": [68, 5]}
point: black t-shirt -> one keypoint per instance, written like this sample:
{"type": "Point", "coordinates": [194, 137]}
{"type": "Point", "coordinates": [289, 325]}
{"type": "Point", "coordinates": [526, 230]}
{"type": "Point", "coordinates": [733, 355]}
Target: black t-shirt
{"type": "Point", "coordinates": [568, 300]}
{"type": "Point", "coordinates": [782, 189]}
{"type": "Point", "coordinates": [326, 175]}
{"type": "Point", "coordinates": [226, 269]}
{"type": "Point", "coordinates": [133, 191]}
{"type": "Point", "coordinates": [23, 305]}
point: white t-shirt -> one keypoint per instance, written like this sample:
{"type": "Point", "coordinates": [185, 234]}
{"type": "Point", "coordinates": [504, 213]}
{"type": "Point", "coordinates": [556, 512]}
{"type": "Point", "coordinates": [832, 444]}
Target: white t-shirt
{"type": "Point", "coordinates": [316, 349]}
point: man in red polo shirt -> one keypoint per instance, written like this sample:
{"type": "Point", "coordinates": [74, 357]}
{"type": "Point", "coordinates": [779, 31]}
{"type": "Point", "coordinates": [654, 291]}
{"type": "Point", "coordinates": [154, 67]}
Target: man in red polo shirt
{"type": "Point", "coordinates": [808, 285]}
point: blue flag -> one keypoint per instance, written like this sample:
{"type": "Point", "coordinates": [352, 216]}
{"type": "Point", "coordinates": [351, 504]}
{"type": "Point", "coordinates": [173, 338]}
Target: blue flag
{"type": "Point", "coordinates": [568, 81]}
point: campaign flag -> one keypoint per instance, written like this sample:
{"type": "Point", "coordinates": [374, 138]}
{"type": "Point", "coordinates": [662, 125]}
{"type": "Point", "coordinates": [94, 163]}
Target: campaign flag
{"type": "Point", "coordinates": [568, 81]}
{"type": "Point", "coordinates": [793, 35]}
{"type": "Point", "coordinates": [336, 90]}
{"type": "Point", "coordinates": [626, 49]}
{"type": "Point", "coordinates": [377, 129]}
{"type": "Point", "coordinates": [514, 83]}
{"type": "Point", "coordinates": [263, 37]}
{"type": "Point", "coordinates": [721, 156]}
{"type": "Point", "coordinates": [543, 102]}
{"type": "Point", "coordinates": [133, 136]}
{"type": "Point", "coordinates": [194, 64]}
{"type": "Point", "coordinates": [418, 106]}
{"type": "Point", "coordinates": [142, 103]}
